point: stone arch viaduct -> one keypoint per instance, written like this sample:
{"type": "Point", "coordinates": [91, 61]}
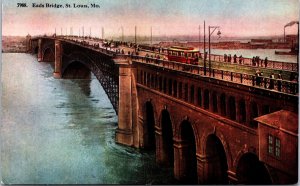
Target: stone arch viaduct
{"type": "Point", "coordinates": [203, 127]}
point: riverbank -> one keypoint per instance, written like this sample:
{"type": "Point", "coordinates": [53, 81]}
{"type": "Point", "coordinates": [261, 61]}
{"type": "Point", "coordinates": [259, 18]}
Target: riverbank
{"type": "Point", "coordinates": [13, 44]}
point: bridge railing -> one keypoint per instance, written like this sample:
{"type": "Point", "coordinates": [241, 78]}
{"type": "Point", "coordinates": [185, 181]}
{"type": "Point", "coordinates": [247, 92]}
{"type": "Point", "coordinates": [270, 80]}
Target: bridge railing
{"type": "Point", "coordinates": [287, 66]}
{"type": "Point", "coordinates": [279, 85]}
{"type": "Point", "coordinates": [289, 87]}
{"type": "Point", "coordinates": [260, 63]}
{"type": "Point", "coordinates": [92, 46]}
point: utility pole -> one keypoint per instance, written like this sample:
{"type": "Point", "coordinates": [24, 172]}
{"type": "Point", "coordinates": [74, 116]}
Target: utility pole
{"type": "Point", "coordinates": [204, 57]}
{"type": "Point", "coordinates": [122, 33]}
{"type": "Point", "coordinates": [298, 47]}
{"type": "Point", "coordinates": [284, 34]}
{"type": "Point", "coordinates": [135, 38]}
{"type": "Point", "coordinates": [151, 35]}
{"type": "Point", "coordinates": [61, 31]}
{"type": "Point", "coordinates": [199, 37]}
{"type": "Point", "coordinates": [135, 34]}
{"type": "Point", "coordinates": [90, 31]}
{"type": "Point", "coordinates": [209, 35]}
{"type": "Point", "coordinates": [102, 33]}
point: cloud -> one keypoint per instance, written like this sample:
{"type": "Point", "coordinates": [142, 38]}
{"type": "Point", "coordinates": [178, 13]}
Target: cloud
{"type": "Point", "coordinates": [170, 17]}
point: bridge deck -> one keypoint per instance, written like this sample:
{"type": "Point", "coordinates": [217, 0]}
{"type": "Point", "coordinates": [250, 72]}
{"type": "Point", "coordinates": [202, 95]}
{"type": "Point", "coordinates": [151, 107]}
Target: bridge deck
{"type": "Point", "coordinates": [279, 85]}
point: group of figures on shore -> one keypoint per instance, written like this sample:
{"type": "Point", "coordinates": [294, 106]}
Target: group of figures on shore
{"type": "Point", "coordinates": [228, 58]}
{"type": "Point", "coordinates": [256, 61]}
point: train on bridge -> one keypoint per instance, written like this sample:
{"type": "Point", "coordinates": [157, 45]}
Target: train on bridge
{"type": "Point", "coordinates": [187, 55]}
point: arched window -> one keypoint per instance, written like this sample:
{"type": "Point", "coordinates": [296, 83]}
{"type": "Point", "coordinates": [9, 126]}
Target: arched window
{"type": "Point", "coordinates": [199, 97]}
{"type": "Point", "coordinates": [242, 107]}
{"type": "Point", "coordinates": [192, 94]}
{"type": "Point", "coordinates": [186, 92]}
{"type": "Point", "coordinates": [232, 108]}
{"type": "Point", "coordinates": [180, 90]}
{"type": "Point", "coordinates": [170, 87]}
{"type": "Point", "coordinates": [223, 104]}
{"type": "Point", "coordinates": [175, 88]}
{"type": "Point", "coordinates": [165, 85]}
{"type": "Point", "coordinates": [254, 114]}
{"type": "Point", "coordinates": [215, 102]}
{"type": "Point", "coordinates": [160, 83]}
{"type": "Point", "coordinates": [206, 99]}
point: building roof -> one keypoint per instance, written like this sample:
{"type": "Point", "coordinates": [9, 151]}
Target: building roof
{"type": "Point", "coordinates": [183, 49]}
{"type": "Point", "coordinates": [283, 120]}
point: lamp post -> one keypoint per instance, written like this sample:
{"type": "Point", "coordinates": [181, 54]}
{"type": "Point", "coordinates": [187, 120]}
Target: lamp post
{"type": "Point", "coordinates": [122, 29]}
{"type": "Point", "coordinates": [284, 34]}
{"type": "Point", "coordinates": [204, 48]}
{"type": "Point", "coordinates": [102, 34]}
{"type": "Point", "coordinates": [122, 34]}
{"type": "Point", "coordinates": [135, 39]}
{"type": "Point", "coordinates": [199, 38]}
{"type": "Point", "coordinates": [151, 36]}
{"type": "Point", "coordinates": [210, 33]}
{"type": "Point", "coordinates": [297, 46]}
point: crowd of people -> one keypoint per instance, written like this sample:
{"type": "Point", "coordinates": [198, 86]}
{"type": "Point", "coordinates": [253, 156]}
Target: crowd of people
{"type": "Point", "coordinates": [256, 61]}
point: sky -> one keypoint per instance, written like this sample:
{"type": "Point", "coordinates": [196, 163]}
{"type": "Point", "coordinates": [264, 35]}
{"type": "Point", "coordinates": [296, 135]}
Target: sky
{"type": "Point", "coordinates": [166, 17]}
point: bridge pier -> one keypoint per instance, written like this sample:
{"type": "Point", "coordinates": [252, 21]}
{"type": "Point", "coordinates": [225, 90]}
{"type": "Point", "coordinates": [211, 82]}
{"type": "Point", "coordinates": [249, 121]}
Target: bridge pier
{"type": "Point", "coordinates": [40, 55]}
{"type": "Point", "coordinates": [206, 172]}
{"type": "Point", "coordinates": [28, 44]}
{"type": "Point", "coordinates": [232, 177]}
{"type": "Point", "coordinates": [127, 132]}
{"type": "Point", "coordinates": [160, 156]}
{"type": "Point", "coordinates": [182, 168]}
{"type": "Point", "coordinates": [201, 166]}
{"type": "Point", "coordinates": [58, 59]}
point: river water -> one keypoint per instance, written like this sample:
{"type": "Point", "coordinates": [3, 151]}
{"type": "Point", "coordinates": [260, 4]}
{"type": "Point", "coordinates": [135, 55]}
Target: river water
{"type": "Point", "coordinates": [62, 131]}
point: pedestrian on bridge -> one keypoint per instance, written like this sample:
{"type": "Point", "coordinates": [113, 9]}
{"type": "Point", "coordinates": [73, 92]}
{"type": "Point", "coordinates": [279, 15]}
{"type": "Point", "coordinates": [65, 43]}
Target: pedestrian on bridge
{"type": "Point", "coordinates": [266, 62]}
{"type": "Point", "coordinates": [257, 78]}
{"type": "Point", "coordinates": [271, 85]}
{"type": "Point", "coordinates": [253, 61]}
{"type": "Point", "coordinates": [229, 58]}
{"type": "Point", "coordinates": [241, 60]}
{"type": "Point", "coordinates": [234, 58]}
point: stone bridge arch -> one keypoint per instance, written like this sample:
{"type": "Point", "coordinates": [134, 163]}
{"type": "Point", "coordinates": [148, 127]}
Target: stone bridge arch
{"type": "Point", "coordinates": [48, 52]}
{"type": "Point", "coordinates": [164, 138]}
{"type": "Point", "coordinates": [185, 152]}
{"type": "Point", "coordinates": [73, 63]}
{"type": "Point", "coordinates": [149, 124]}
{"type": "Point", "coordinates": [215, 158]}
{"type": "Point", "coordinates": [249, 170]}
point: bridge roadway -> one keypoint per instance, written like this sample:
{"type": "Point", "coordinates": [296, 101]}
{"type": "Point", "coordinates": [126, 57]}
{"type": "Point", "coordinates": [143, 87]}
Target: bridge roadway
{"type": "Point", "coordinates": [285, 86]}
{"type": "Point", "coordinates": [204, 126]}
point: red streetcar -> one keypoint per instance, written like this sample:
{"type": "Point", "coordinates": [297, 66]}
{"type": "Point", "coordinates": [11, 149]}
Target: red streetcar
{"type": "Point", "coordinates": [187, 55]}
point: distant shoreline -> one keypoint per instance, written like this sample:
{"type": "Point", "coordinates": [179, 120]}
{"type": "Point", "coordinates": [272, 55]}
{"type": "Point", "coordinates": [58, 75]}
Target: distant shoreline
{"type": "Point", "coordinates": [17, 52]}
{"type": "Point", "coordinates": [13, 44]}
